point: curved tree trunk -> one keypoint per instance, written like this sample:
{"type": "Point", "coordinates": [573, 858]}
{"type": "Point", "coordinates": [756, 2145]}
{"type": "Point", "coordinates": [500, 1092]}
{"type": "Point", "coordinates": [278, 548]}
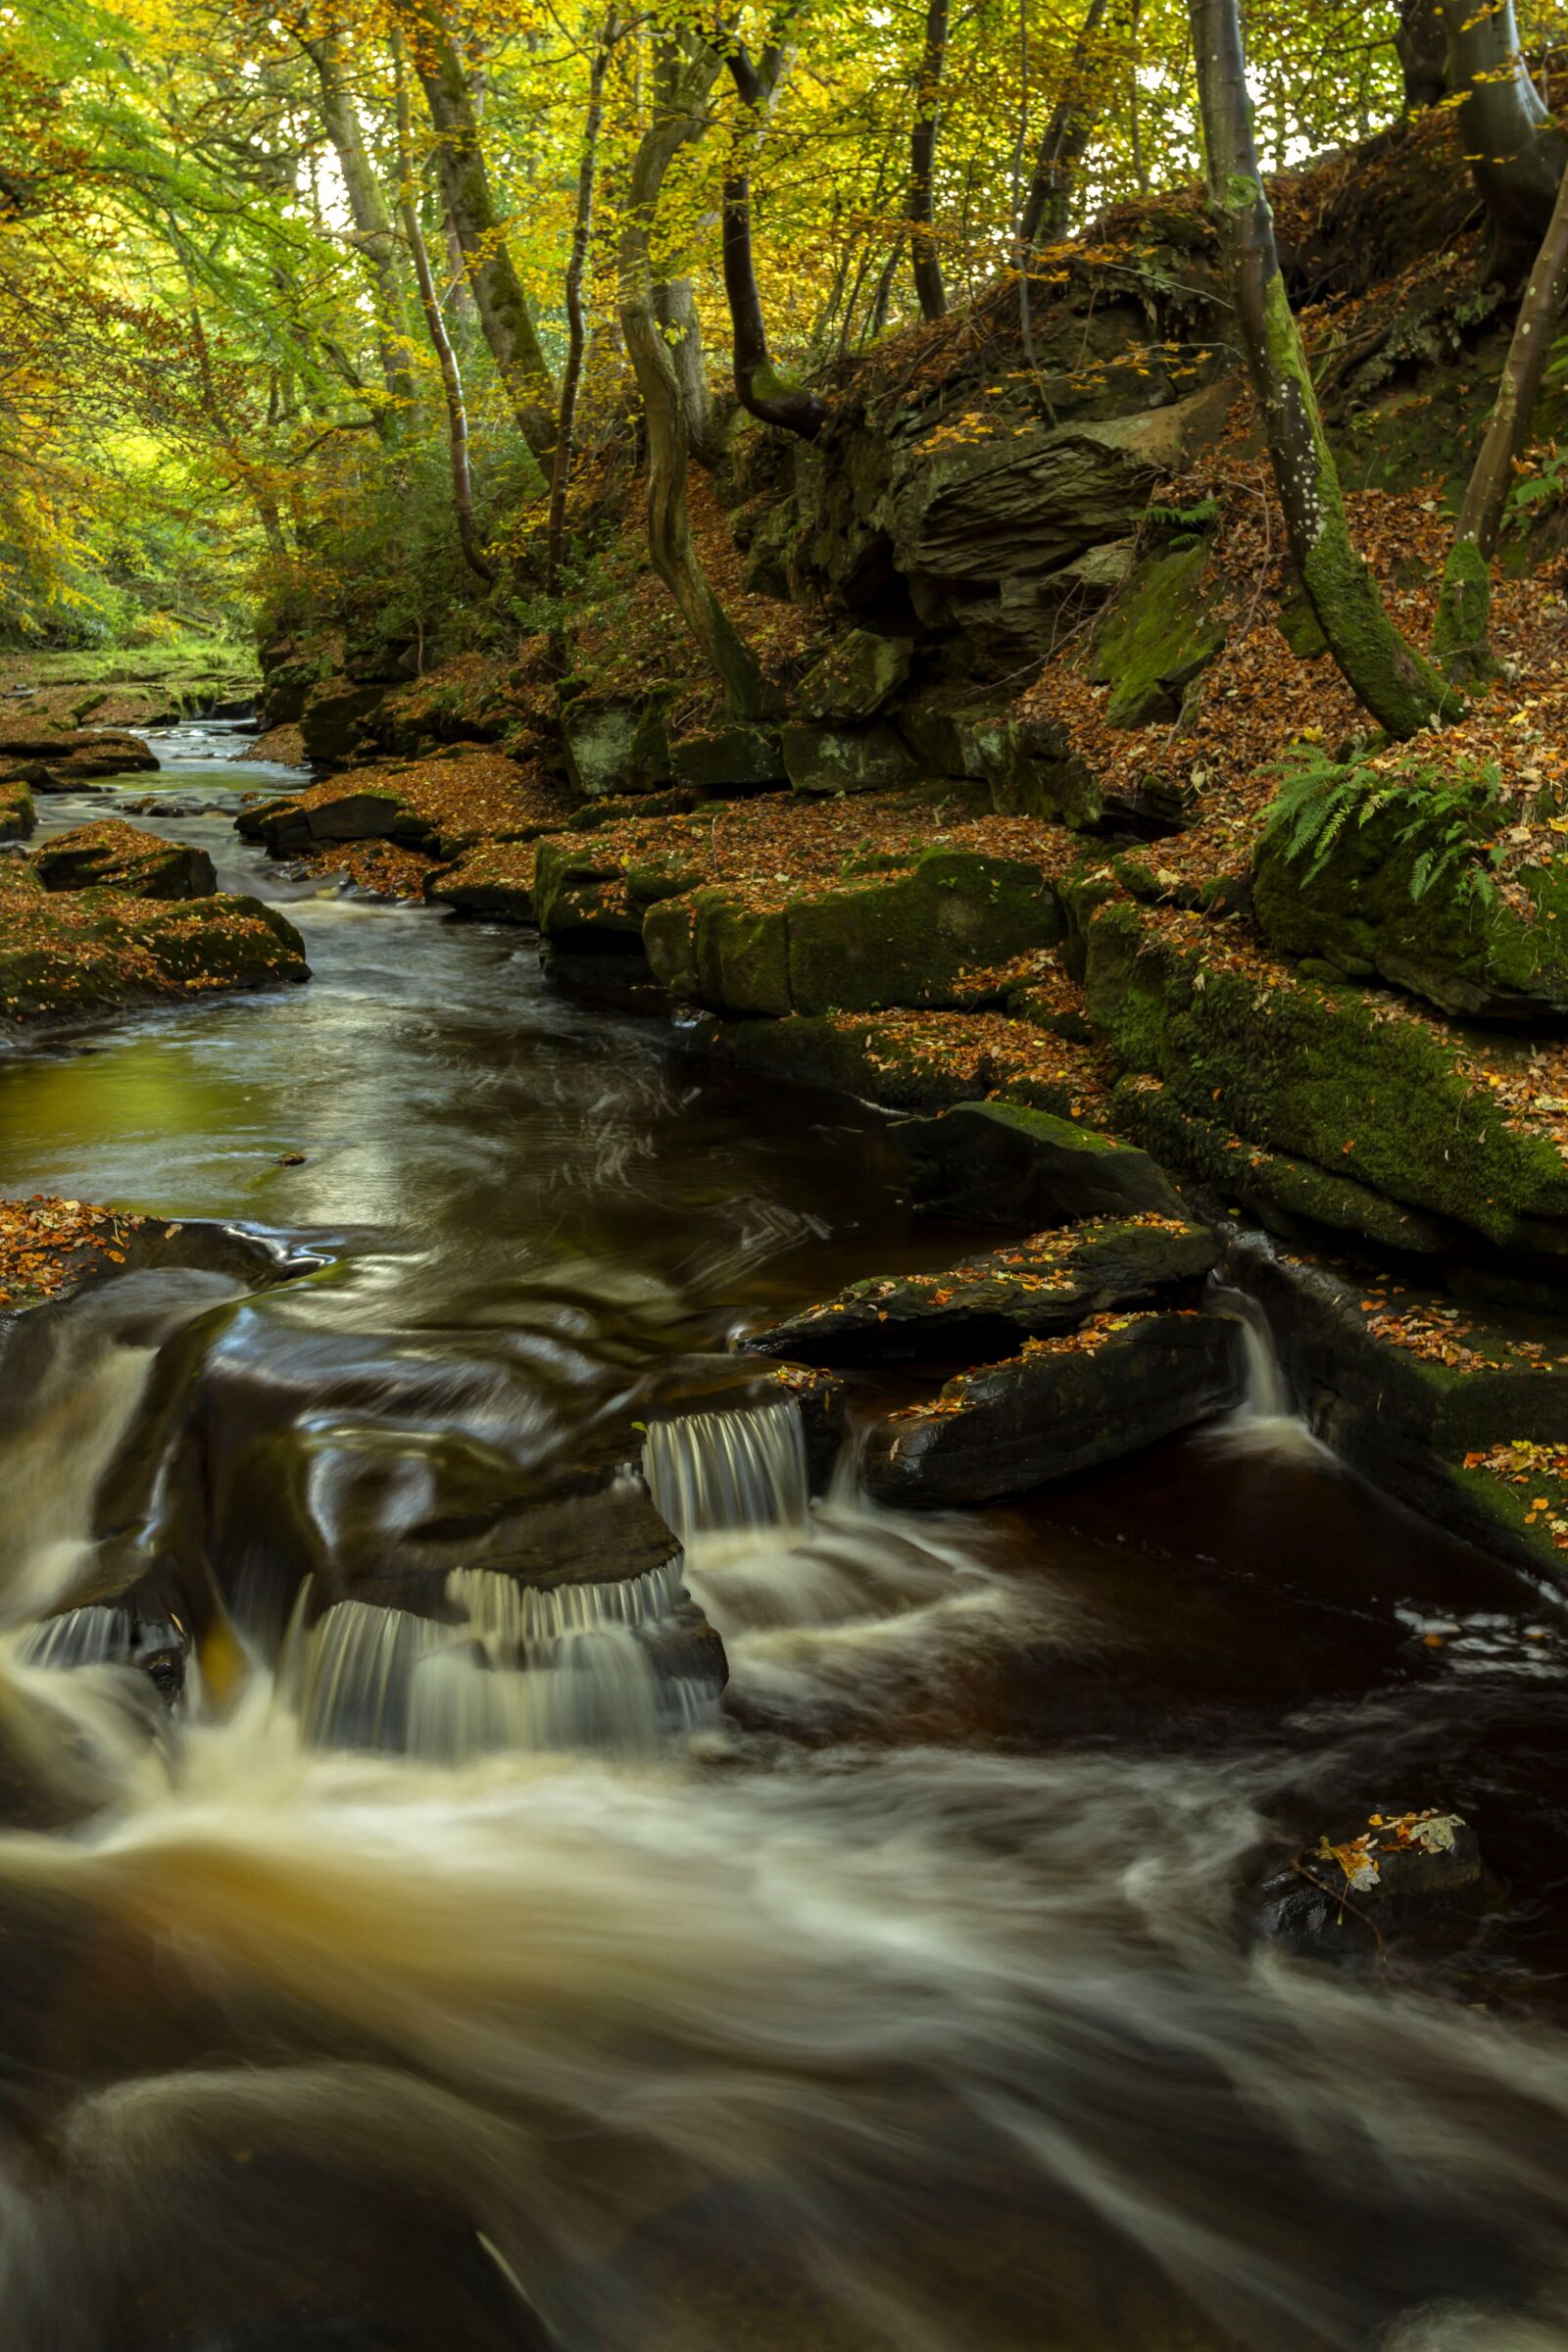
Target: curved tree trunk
{"type": "Point", "coordinates": [1398, 685]}
{"type": "Point", "coordinates": [759, 386]}
{"type": "Point", "coordinates": [1464, 608]}
{"type": "Point", "coordinates": [1067, 134]}
{"type": "Point", "coordinates": [374, 234]}
{"type": "Point", "coordinates": [1511, 143]}
{"type": "Point", "coordinates": [925, 259]}
{"type": "Point", "coordinates": [676, 308]}
{"type": "Point", "coordinates": [474, 554]}
{"type": "Point", "coordinates": [686, 69]}
{"type": "Point", "coordinates": [502, 307]}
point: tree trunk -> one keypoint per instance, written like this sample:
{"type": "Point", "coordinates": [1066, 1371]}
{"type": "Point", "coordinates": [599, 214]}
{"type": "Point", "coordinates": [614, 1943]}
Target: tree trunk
{"type": "Point", "coordinates": [1400, 689]}
{"type": "Point", "coordinates": [676, 308]}
{"type": "Point", "coordinates": [374, 234]}
{"type": "Point", "coordinates": [1067, 134]}
{"type": "Point", "coordinates": [925, 260]}
{"type": "Point", "coordinates": [1464, 608]}
{"type": "Point", "coordinates": [686, 69]}
{"type": "Point", "coordinates": [1513, 147]}
{"type": "Point", "coordinates": [254, 478]}
{"type": "Point", "coordinates": [759, 386]}
{"type": "Point", "coordinates": [502, 307]}
{"type": "Point", "coordinates": [440, 341]}
{"type": "Point", "coordinates": [1423, 47]}
{"type": "Point", "coordinates": [572, 374]}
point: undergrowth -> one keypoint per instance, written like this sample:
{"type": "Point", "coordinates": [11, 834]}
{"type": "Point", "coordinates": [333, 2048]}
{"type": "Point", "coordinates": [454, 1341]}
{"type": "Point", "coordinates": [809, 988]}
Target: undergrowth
{"type": "Point", "coordinates": [1448, 808]}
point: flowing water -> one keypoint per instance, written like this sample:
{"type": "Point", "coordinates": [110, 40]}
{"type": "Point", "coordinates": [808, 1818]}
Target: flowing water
{"type": "Point", "coordinates": [451, 1964]}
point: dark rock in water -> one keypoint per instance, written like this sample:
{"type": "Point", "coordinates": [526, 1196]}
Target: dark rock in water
{"type": "Point", "coordinates": [121, 856]}
{"type": "Point", "coordinates": [1062, 1406]}
{"type": "Point", "coordinates": [1390, 1882]}
{"type": "Point", "coordinates": [1047, 1283]}
{"type": "Point", "coordinates": [56, 759]}
{"type": "Point", "coordinates": [1004, 1164]}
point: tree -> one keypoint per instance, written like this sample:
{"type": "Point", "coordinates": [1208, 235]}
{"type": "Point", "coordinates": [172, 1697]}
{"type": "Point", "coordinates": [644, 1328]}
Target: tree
{"type": "Point", "coordinates": [685, 70]}
{"type": "Point", "coordinates": [925, 259]}
{"type": "Point", "coordinates": [1422, 43]}
{"type": "Point", "coordinates": [1513, 147]}
{"type": "Point", "coordinates": [1398, 685]}
{"type": "Point", "coordinates": [581, 230]}
{"type": "Point", "coordinates": [374, 234]}
{"type": "Point", "coordinates": [760, 387]}
{"type": "Point", "coordinates": [1066, 138]}
{"type": "Point", "coordinates": [498, 293]}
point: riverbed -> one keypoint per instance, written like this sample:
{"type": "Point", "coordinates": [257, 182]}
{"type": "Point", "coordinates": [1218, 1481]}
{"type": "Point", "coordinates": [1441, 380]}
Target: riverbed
{"type": "Point", "coordinates": [916, 1995]}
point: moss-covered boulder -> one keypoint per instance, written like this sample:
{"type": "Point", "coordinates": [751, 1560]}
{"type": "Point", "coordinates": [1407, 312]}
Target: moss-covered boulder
{"type": "Point", "coordinates": [17, 816]}
{"type": "Point", "coordinates": [55, 758]}
{"type": "Point", "coordinates": [1059, 1406]}
{"type": "Point", "coordinates": [1002, 1163]}
{"type": "Point", "coordinates": [615, 743]}
{"type": "Point", "coordinates": [736, 758]}
{"type": "Point", "coordinates": [1398, 882]}
{"type": "Point", "coordinates": [71, 954]}
{"type": "Point", "coordinates": [1346, 1080]}
{"type": "Point", "coordinates": [906, 940]}
{"type": "Point", "coordinates": [121, 856]}
{"type": "Point", "coordinates": [984, 1306]}
{"type": "Point", "coordinates": [1035, 767]}
{"type": "Point", "coordinates": [496, 879]}
{"type": "Point", "coordinates": [1157, 638]}
{"type": "Point", "coordinates": [846, 758]}
{"type": "Point", "coordinates": [336, 719]}
{"type": "Point", "coordinates": [331, 813]}
{"type": "Point", "coordinates": [858, 676]}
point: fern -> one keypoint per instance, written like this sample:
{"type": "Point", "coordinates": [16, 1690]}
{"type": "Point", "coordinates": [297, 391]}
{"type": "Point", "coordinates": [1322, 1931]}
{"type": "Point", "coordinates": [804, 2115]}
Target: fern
{"type": "Point", "coordinates": [1318, 798]}
{"type": "Point", "coordinates": [1196, 518]}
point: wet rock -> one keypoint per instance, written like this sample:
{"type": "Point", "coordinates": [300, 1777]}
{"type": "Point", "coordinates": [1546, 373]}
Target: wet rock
{"type": "Point", "coordinates": [836, 758]}
{"type": "Point", "coordinates": [121, 856]}
{"type": "Point", "coordinates": [747, 1377]}
{"type": "Point", "coordinates": [736, 758]}
{"type": "Point", "coordinates": [56, 759]}
{"type": "Point", "coordinates": [1049, 1283]}
{"type": "Point", "coordinates": [497, 880]}
{"type": "Point", "coordinates": [1384, 1883]}
{"type": "Point", "coordinates": [1004, 1164]}
{"type": "Point", "coordinates": [77, 953]}
{"type": "Point", "coordinates": [288, 826]}
{"type": "Point", "coordinates": [1060, 1407]}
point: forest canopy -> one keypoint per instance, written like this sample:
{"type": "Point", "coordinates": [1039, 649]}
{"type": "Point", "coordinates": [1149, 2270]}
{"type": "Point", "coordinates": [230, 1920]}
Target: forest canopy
{"type": "Point", "coordinates": [303, 288]}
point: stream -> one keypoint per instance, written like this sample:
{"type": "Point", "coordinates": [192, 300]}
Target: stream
{"type": "Point", "coordinates": [498, 1985]}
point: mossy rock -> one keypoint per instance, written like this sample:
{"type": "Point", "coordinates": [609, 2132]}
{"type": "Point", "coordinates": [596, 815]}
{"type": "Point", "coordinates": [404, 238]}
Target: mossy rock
{"type": "Point", "coordinates": [879, 1062]}
{"type": "Point", "coordinates": [1462, 944]}
{"type": "Point", "coordinates": [335, 719]}
{"type": "Point", "coordinates": [72, 953]}
{"type": "Point", "coordinates": [857, 678]}
{"type": "Point", "coordinates": [16, 813]}
{"type": "Point", "coordinates": [908, 941]}
{"type": "Point", "coordinates": [1338, 1077]}
{"type": "Point", "coordinates": [832, 760]}
{"type": "Point", "coordinates": [1157, 638]}
{"type": "Point", "coordinates": [614, 744]}
{"type": "Point", "coordinates": [737, 758]}
{"type": "Point", "coordinates": [1004, 1164]}
{"type": "Point", "coordinates": [121, 857]}
{"type": "Point", "coordinates": [741, 954]}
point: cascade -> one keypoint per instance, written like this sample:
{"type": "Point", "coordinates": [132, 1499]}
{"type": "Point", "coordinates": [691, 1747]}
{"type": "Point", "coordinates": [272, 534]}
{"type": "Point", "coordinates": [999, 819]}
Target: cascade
{"type": "Point", "coordinates": [740, 1467]}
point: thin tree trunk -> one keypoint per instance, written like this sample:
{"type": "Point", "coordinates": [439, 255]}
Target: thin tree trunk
{"type": "Point", "coordinates": [1135, 101]}
{"type": "Point", "coordinates": [1513, 147]}
{"type": "Point", "coordinates": [1400, 689]}
{"type": "Point", "coordinates": [878, 316]}
{"type": "Point", "coordinates": [440, 341]}
{"type": "Point", "coordinates": [251, 475]}
{"type": "Point", "coordinates": [572, 374]}
{"type": "Point", "coordinates": [504, 313]}
{"type": "Point", "coordinates": [376, 237]}
{"type": "Point", "coordinates": [685, 72]}
{"type": "Point", "coordinates": [925, 257]}
{"type": "Point", "coordinates": [759, 386]}
{"type": "Point", "coordinates": [676, 308]}
{"type": "Point", "coordinates": [1068, 135]}
{"type": "Point", "coordinates": [1464, 608]}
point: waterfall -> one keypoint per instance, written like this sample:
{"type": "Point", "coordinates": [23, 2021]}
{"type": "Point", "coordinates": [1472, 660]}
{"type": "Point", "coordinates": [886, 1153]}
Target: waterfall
{"type": "Point", "coordinates": [744, 1466]}
{"type": "Point", "coordinates": [567, 1667]}
{"type": "Point", "coordinates": [1266, 1420]}
{"type": "Point", "coordinates": [91, 1636]}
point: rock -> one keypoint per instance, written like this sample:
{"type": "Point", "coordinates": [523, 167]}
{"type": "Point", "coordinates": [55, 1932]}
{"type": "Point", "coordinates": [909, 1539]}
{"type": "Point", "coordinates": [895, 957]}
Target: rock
{"type": "Point", "coordinates": [1380, 1884]}
{"type": "Point", "coordinates": [1158, 637]}
{"type": "Point", "coordinates": [1060, 1407]}
{"type": "Point", "coordinates": [288, 826]}
{"type": "Point", "coordinates": [75, 952]}
{"type": "Point", "coordinates": [57, 760]}
{"type": "Point", "coordinates": [335, 719]}
{"type": "Point", "coordinates": [909, 1061]}
{"type": "Point", "coordinates": [736, 758]}
{"type": "Point", "coordinates": [289, 670]}
{"type": "Point", "coordinates": [497, 879]}
{"type": "Point", "coordinates": [17, 817]}
{"type": "Point", "coordinates": [1393, 894]}
{"type": "Point", "coordinates": [1047, 1283]}
{"type": "Point", "coordinates": [857, 678]}
{"type": "Point", "coordinates": [1001, 1164]}
{"type": "Point", "coordinates": [823, 760]}
{"type": "Point", "coordinates": [1340, 1078]}
{"type": "Point", "coordinates": [615, 743]}
{"type": "Point", "coordinates": [941, 727]}
{"type": "Point", "coordinates": [580, 893]}
{"type": "Point", "coordinates": [121, 856]}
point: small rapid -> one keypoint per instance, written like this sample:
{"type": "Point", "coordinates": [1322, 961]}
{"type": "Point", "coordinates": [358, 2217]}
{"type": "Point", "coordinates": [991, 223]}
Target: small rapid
{"type": "Point", "coordinates": [578, 1880]}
